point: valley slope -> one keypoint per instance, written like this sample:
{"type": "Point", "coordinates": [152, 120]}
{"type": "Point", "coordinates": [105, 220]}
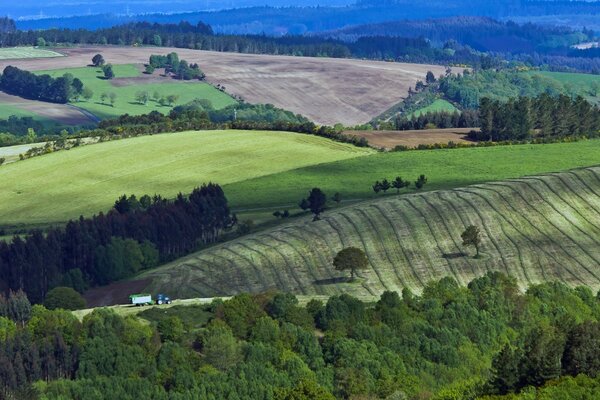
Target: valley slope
{"type": "Point", "coordinates": [539, 228]}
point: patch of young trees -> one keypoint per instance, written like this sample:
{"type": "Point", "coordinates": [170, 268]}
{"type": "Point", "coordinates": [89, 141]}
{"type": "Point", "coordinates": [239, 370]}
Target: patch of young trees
{"type": "Point", "coordinates": [384, 185]}
{"type": "Point", "coordinates": [40, 87]}
{"type": "Point", "coordinates": [439, 120]}
{"type": "Point", "coordinates": [179, 69]}
{"type": "Point", "coordinates": [135, 235]}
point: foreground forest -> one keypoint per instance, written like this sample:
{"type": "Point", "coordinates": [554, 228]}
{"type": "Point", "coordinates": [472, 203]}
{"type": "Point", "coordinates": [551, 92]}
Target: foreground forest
{"type": "Point", "coordinates": [452, 342]}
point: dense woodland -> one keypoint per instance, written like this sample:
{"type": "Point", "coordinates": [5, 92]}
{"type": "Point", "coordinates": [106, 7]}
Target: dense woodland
{"type": "Point", "coordinates": [451, 342]}
{"type": "Point", "coordinates": [40, 87]}
{"type": "Point", "coordinates": [137, 234]}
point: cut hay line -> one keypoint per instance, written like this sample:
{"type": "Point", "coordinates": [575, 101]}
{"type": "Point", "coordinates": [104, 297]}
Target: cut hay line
{"type": "Point", "coordinates": [548, 237]}
{"type": "Point", "coordinates": [533, 228]}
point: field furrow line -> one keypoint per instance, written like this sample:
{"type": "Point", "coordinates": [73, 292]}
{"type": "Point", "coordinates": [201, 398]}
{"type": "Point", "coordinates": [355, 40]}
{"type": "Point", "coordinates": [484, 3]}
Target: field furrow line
{"type": "Point", "coordinates": [371, 255]}
{"type": "Point", "coordinates": [401, 252]}
{"type": "Point", "coordinates": [236, 275]}
{"type": "Point", "coordinates": [283, 281]}
{"type": "Point", "coordinates": [452, 233]}
{"type": "Point", "coordinates": [262, 280]}
{"type": "Point", "coordinates": [334, 249]}
{"type": "Point", "coordinates": [545, 216]}
{"type": "Point", "coordinates": [459, 277]}
{"type": "Point", "coordinates": [503, 224]}
{"type": "Point", "coordinates": [550, 238]}
{"type": "Point", "coordinates": [383, 240]}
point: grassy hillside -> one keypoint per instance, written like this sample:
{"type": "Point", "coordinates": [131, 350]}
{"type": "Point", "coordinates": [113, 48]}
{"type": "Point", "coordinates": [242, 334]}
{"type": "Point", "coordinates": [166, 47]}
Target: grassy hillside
{"type": "Point", "coordinates": [536, 229]}
{"type": "Point", "coordinates": [128, 81]}
{"type": "Point", "coordinates": [439, 105]}
{"type": "Point", "coordinates": [88, 179]}
{"type": "Point", "coordinates": [445, 169]}
{"type": "Point", "coordinates": [12, 53]}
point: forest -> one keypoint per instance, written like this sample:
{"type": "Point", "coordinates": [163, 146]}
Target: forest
{"type": "Point", "coordinates": [40, 87]}
{"type": "Point", "coordinates": [485, 340]}
{"type": "Point", "coordinates": [136, 234]}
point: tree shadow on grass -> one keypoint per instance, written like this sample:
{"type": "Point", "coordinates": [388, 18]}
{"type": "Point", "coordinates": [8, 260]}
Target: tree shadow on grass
{"type": "Point", "coordinates": [332, 281]}
{"type": "Point", "coordinates": [452, 256]}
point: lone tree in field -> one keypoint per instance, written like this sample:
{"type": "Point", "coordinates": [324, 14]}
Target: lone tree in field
{"type": "Point", "coordinates": [98, 60]}
{"type": "Point", "coordinates": [430, 78]}
{"type": "Point", "coordinates": [351, 259]}
{"type": "Point", "coordinates": [316, 202]}
{"type": "Point", "coordinates": [420, 182]}
{"type": "Point", "coordinates": [472, 237]}
{"type": "Point", "coordinates": [108, 71]}
{"type": "Point", "coordinates": [399, 183]}
{"type": "Point", "coordinates": [112, 97]}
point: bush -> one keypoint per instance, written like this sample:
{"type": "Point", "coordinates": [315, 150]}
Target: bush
{"type": "Point", "coordinates": [65, 298]}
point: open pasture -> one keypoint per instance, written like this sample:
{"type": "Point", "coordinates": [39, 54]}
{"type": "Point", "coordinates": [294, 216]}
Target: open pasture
{"type": "Point", "coordinates": [536, 229]}
{"type": "Point", "coordinates": [86, 180]}
{"type": "Point", "coordinates": [17, 53]}
{"type": "Point", "coordinates": [326, 90]}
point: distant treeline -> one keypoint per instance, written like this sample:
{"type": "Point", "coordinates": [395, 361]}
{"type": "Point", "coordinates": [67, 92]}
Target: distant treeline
{"type": "Point", "coordinates": [40, 87]}
{"type": "Point", "coordinates": [546, 116]}
{"type": "Point", "coordinates": [135, 235]}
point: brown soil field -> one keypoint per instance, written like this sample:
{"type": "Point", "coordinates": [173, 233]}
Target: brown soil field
{"type": "Point", "coordinates": [115, 293]}
{"type": "Point", "coordinates": [62, 113]}
{"type": "Point", "coordinates": [391, 139]}
{"type": "Point", "coordinates": [326, 90]}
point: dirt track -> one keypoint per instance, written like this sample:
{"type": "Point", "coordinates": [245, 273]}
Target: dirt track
{"type": "Point", "coordinates": [391, 139]}
{"type": "Point", "coordinates": [326, 90]}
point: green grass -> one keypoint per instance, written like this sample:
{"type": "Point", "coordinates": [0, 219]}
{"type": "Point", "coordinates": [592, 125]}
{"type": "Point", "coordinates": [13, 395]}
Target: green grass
{"type": "Point", "coordinates": [10, 53]}
{"type": "Point", "coordinates": [87, 180]}
{"type": "Point", "coordinates": [445, 169]}
{"type": "Point", "coordinates": [439, 105]}
{"type": "Point", "coordinates": [586, 84]}
{"type": "Point", "coordinates": [125, 101]}
{"type": "Point", "coordinates": [539, 228]}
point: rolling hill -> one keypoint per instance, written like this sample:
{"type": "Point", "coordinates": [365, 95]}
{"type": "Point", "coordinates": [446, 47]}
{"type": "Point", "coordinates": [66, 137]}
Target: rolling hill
{"type": "Point", "coordinates": [88, 179]}
{"type": "Point", "coordinates": [312, 86]}
{"type": "Point", "coordinates": [538, 228]}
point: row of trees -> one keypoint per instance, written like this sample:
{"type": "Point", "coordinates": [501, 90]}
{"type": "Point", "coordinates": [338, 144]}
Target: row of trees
{"type": "Point", "coordinates": [40, 87]}
{"type": "Point", "coordinates": [437, 345]}
{"type": "Point", "coordinates": [398, 184]}
{"type": "Point", "coordinates": [546, 116]}
{"type": "Point", "coordinates": [135, 235]}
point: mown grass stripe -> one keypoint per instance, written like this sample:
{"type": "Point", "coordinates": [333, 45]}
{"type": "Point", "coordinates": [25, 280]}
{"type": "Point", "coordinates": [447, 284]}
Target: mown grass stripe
{"type": "Point", "coordinates": [520, 268]}
{"type": "Point", "coordinates": [262, 278]}
{"type": "Point", "coordinates": [557, 212]}
{"type": "Point", "coordinates": [234, 275]}
{"type": "Point", "coordinates": [268, 261]}
{"type": "Point", "coordinates": [372, 256]}
{"type": "Point", "coordinates": [416, 277]}
{"type": "Point", "coordinates": [461, 279]}
{"type": "Point", "coordinates": [383, 245]}
{"type": "Point", "coordinates": [537, 227]}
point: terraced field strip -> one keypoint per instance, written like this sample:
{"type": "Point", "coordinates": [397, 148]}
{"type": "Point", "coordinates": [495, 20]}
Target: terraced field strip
{"type": "Point", "coordinates": [539, 228]}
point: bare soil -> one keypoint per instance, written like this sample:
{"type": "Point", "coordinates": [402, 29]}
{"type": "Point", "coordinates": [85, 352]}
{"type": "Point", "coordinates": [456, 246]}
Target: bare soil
{"type": "Point", "coordinates": [115, 293]}
{"type": "Point", "coordinates": [326, 90]}
{"type": "Point", "coordinates": [391, 139]}
{"type": "Point", "coordinates": [63, 113]}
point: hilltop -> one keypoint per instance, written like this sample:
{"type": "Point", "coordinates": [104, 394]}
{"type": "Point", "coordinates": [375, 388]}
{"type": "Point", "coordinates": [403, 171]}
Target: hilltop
{"type": "Point", "coordinates": [537, 229]}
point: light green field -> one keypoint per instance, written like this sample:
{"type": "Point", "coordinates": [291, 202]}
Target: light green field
{"type": "Point", "coordinates": [12, 53]}
{"type": "Point", "coordinates": [8, 110]}
{"type": "Point", "coordinates": [540, 228]}
{"type": "Point", "coordinates": [88, 179]}
{"type": "Point", "coordinates": [445, 169]}
{"type": "Point", "coordinates": [587, 84]}
{"type": "Point", "coordinates": [439, 105]}
{"type": "Point", "coordinates": [125, 101]}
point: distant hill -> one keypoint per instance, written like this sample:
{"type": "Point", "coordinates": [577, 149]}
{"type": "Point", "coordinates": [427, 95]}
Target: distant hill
{"type": "Point", "coordinates": [539, 228]}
